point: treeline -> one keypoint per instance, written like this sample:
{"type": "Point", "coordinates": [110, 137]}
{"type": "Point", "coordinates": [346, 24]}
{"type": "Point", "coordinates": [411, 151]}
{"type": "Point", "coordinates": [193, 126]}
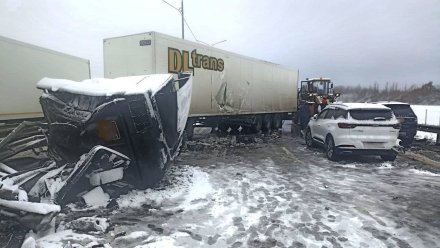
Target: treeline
{"type": "Point", "coordinates": [427, 94]}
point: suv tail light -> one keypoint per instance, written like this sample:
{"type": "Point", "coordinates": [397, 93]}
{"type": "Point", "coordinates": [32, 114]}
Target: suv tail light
{"type": "Point", "coordinates": [346, 125]}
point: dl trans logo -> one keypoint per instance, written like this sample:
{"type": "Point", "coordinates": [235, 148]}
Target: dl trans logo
{"type": "Point", "coordinates": [179, 61]}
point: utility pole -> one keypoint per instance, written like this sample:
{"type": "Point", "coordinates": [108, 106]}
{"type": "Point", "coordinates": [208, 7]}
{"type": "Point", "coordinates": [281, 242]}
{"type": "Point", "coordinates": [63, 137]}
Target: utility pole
{"type": "Point", "coordinates": [183, 21]}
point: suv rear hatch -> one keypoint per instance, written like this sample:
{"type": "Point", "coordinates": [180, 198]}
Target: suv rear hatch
{"type": "Point", "coordinates": [373, 127]}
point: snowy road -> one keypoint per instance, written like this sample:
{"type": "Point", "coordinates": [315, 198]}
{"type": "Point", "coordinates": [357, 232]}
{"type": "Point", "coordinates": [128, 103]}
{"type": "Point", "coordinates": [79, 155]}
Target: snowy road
{"type": "Point", "coordinates": [273, 193]}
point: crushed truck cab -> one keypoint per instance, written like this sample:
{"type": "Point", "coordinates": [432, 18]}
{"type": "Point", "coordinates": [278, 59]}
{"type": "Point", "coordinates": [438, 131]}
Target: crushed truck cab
{"type": "Point", "coordinates": [99, 132]}
{"type": "Point", "coordinates": [142, 117]}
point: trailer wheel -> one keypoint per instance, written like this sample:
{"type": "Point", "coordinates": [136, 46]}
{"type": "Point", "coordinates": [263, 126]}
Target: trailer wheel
{"type": "Point", "coordinates": [223, 127]}
{"type": "Point", "coordinates": [389, 157]}
{"type": "Point", "coordinates": [256, 126]}
{"type": "Point", "coordinates": [277, 122]}
{"type": "Point", "coordinates": [267, 123]}
{"type": "Point", "coordinates": [234, 128]}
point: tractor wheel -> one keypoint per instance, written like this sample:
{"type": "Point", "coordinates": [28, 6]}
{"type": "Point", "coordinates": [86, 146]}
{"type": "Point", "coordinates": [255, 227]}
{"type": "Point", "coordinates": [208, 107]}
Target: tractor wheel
{"type": "Point", "coordinates": [295, 118]}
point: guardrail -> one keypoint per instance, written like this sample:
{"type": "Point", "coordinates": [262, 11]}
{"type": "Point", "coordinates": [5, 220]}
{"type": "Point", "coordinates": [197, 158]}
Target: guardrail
{"type": "Point", "coordinates": [430, 129]}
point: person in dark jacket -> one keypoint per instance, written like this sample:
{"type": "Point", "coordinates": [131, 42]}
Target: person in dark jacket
{"type": "Point", "coordinates": [324, 102]}
{"type": "Point", "coordinates": [304, 115]}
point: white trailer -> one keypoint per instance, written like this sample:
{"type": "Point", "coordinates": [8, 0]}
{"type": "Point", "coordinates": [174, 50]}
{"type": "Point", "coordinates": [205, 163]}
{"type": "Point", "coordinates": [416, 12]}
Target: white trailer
{"type": "Point", "coordinates": [22, 66]}
{"type": "Point", "coordinates": [229, 89]}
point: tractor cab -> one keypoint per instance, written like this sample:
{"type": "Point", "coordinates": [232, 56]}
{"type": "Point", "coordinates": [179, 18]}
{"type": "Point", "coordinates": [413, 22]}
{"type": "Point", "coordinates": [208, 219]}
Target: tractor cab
{"type": "Point", "coordinates": [315, 89]}
{"type": "Point", "coordinates": [313, 95]}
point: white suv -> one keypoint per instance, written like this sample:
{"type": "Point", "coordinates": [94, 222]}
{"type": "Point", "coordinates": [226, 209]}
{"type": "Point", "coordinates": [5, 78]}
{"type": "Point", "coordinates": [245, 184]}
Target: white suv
{"type": "Point", "coordinates": [354, 128]}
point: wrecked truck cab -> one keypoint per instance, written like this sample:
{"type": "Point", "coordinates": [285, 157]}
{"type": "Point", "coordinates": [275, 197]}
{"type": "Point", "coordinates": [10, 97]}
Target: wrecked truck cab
{"type": "Point", "coordinates": [98, 132]}
{"type": "Point", "coordinates": [142, 117]}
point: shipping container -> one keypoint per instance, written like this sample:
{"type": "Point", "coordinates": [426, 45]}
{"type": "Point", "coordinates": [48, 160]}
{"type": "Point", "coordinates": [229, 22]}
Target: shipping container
{"type": "Point", "coordinates": [229, 89]}
{"type": "Point", "coordinates": [22, 66]}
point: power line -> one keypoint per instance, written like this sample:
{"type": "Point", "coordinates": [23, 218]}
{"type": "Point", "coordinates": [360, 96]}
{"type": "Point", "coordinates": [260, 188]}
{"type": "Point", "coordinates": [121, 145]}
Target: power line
{"type": "Point", "coordinates": [186, 23]}
{"type": "Point", "coordinates": [190, 30]}
{"type": "Point", "coordinates": [172, 6]}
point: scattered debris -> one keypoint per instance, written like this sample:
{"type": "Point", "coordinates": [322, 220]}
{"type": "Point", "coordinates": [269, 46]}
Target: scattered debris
{"type": "Point", "coordinates": [90, 224]}
{"type": "Point", "coordinates": [96, 197]}
{"type": "Point", "coordinates": [50, 186]}
{"type": "Point", "coordinates": [120, 234]}
{"type": "Point", "coordinates": [220, 141]}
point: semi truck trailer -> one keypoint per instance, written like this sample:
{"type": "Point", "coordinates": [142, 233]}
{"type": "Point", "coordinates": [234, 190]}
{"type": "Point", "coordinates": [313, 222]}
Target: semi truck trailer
{"type": "Point", "coordinates": [22, 65]}
{"type": "Point", "coordinates": [229, 90]}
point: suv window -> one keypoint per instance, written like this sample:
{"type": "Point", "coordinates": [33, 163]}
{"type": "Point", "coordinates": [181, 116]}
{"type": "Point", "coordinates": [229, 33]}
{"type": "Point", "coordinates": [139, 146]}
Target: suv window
{"type": "Point", "coordinates": [335, 113]}
{"type": "Point", "coordinates": [370, 114]}
{"type": "Point", "coordinates": [401, 110]}
{"type": "Point", "coordinates": [340, 113]}
{"type": "Point", "coordinates": [330, 114]}
{"type": "Point", "coordinates": [323, 114]}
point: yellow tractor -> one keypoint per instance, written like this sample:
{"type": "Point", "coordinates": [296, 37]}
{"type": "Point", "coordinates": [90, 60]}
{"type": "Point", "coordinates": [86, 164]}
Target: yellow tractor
{"type": "Point", "coordinates": [313, 95]}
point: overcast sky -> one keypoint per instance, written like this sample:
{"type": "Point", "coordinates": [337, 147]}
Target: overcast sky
{"type": "Point", "coordinates": [353, 42]}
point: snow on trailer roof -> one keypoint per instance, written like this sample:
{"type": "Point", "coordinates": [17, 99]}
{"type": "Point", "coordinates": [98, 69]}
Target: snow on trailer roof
{"type": "Point", "coordinates": [107, 87]}
{"type": "Point", "coordinates": [356, 105]}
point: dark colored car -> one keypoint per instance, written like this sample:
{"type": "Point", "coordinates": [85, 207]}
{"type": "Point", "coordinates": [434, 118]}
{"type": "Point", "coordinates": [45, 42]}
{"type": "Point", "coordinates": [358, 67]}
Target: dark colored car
{"type": "Point", "coordinates": [408, 120]}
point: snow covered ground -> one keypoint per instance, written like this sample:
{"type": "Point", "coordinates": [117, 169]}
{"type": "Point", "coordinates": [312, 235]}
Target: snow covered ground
{"type": "Point", "coordinates": [427, 114]}
{"type": "Point", "coordinates": [272, 192]}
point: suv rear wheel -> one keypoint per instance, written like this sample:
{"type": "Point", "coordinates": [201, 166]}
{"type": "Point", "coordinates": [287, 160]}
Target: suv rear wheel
{"type": "Point", "coordinates": [309, 139]}
{"type": "Point", "coordinates": [330, 149]}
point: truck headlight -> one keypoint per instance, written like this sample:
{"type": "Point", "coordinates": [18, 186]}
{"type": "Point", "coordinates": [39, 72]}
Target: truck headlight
{"type": "Point", "coordinates": [107, 130]}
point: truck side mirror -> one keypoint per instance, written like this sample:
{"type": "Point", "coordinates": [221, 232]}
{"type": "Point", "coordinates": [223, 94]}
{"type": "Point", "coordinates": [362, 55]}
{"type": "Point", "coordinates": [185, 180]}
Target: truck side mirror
{"type": "Point", "coordinates": [315, 116]}
{"type": "Point", "coordinates": [331, 85]}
